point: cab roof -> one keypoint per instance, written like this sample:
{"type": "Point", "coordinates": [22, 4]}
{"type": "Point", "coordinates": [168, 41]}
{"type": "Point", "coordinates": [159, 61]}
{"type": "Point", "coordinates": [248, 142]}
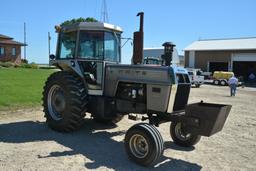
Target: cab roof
{"type": "Point", "coordinates": [91, 26]}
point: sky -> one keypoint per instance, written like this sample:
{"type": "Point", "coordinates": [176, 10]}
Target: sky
{"type": "Point", "coordinates": [178, 21]}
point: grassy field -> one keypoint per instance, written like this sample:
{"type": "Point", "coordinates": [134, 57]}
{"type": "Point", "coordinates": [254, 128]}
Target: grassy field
{"type": "Point", "coordinates": [21, 88]}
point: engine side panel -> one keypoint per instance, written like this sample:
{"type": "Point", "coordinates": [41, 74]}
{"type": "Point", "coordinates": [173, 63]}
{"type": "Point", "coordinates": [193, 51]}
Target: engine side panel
{"type": "Point", "coordinates": [158, 97]}
{"type": "Point", "coordinates": [155, 75]}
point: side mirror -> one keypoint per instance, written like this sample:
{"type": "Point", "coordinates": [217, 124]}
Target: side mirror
{"type": "Point", "coordinates": [52, 57]}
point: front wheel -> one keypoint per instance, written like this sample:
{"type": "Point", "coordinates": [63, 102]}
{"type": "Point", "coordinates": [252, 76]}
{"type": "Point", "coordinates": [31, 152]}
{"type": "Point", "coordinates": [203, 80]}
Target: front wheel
{"type": "Point", "coordinates": [182, 138]}
{"type": "Point", "coordinates": [144, 144]}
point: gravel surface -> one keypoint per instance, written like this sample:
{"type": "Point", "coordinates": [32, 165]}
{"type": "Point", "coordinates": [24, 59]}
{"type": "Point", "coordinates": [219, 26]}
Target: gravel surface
{"type": "Point", "coordinates": [26, 143]}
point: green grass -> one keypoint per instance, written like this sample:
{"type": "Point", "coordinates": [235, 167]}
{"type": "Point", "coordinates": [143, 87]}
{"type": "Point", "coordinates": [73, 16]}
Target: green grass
{"type": "Point", "coordinates": [21, 88]}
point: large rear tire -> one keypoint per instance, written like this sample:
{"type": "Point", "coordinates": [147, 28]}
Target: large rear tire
{"type": "Point", "coordinates": [64, 101]}
{"type": "Point", "coordinates": [144, 144]}
{"type": "Point", "coordinates": [180, 137]}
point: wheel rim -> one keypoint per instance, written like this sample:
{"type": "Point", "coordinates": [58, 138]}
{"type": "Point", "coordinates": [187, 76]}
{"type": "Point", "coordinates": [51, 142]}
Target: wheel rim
{"type": "Point", "coordinates": [56, 102]}
{"type": "Point", "coordinates": [180, 134]}
{"type": "Point", "coordinates": [222, 83]}
{"type": "Point", "coordinates": [216, 82]}
{"type": "Point", "coordinates": [138, 146]}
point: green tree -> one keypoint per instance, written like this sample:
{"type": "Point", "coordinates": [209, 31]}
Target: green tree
{"type": "Point", "coordinates": [77, 20]}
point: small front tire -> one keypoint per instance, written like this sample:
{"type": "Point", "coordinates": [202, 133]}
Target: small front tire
{"type": "Point", "coordinates": [143, 144]}
{"type": "Point", "coordinates": [180, 137]}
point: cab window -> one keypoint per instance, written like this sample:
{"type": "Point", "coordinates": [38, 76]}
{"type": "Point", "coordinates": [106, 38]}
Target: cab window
{"type": "Point", "coordinates": [111, 48]}
{"type": "Point", "coordinates": [91, 45]}
{"type": "Point", "coordinates": [99, 45]}
{"type": "Point", "coordinates": [67, 44]}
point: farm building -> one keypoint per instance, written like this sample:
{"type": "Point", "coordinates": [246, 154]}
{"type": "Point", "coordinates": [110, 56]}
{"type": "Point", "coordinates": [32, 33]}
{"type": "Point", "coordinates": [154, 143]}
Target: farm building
{"type": "Point", "coordinates": [10, 50]}
{"type": "Point", "coordinates": [237, 55]}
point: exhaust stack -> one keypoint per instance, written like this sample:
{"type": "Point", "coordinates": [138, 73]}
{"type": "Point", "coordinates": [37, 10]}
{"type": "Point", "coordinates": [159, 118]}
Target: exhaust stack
{"type": "Point", "coordinates": [138, 42]}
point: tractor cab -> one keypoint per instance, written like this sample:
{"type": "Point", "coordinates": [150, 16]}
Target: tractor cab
{"type": "Point", "coordinates": [87, 47]}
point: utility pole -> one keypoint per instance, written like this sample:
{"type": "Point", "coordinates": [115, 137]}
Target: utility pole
{"type": "Point", "coordinates": [25, 43]}
{"type": "Point", "coordinates": [49, 43]}
{"type": "Point", "coordinates": [104, 11]}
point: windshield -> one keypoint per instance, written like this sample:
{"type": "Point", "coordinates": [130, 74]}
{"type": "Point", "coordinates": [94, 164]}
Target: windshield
{"type": "Point", "coordinates": [99, 45]}
{"type": "Point", "coordinates": [91, 45]}
{"type": "Point", "coordinates": [152, 61]}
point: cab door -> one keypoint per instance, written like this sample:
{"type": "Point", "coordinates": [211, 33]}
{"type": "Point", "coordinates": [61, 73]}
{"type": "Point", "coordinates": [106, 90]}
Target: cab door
{"type": "Point", "coordinates": [95, 50]}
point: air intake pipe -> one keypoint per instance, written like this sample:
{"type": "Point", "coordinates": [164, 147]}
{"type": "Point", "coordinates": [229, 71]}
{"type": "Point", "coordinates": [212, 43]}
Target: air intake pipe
{"type": "Point", "coordinates": [138, 42]}
{"type": "Point", "coordinates": [167, 56]}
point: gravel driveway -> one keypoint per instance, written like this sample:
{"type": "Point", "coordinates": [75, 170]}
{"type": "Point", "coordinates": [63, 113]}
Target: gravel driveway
{"type": "Point", "coordinates": [26, 143]}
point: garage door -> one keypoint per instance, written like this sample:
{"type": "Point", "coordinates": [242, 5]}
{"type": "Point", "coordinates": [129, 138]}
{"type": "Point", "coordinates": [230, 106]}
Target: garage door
{"type": "Point", "coordinates": [244, 64]}
{"type": "Point", "coordinates": [218, 66]}
{"type": "Point", "coordinates": [244, 57]}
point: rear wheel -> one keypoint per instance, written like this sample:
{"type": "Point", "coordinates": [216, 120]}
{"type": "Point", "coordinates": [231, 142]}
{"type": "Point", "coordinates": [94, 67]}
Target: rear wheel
{"type": "Point", "coordinates": [216, 82]}
{"type": "Point", "coordinates": [223, 82]}
{"type": "Point", "coordinates": [182, 138]}
{"type": "Point", "coordinates": [143, 144]}
{"type": "Point", "coordinates": [64, 101]}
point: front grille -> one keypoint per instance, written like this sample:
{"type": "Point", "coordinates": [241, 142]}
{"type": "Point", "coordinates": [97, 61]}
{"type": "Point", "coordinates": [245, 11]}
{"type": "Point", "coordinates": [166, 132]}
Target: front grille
{"type": "Point", "coordinates": [181, 98]}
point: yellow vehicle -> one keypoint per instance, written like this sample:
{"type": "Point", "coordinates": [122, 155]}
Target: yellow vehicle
{"type": "Point", "coordinates": [221, 77]}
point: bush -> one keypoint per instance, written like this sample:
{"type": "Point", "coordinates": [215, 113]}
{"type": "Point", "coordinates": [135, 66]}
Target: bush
{"type": "Point", "coordinates": [7, 64]}
{"type": "Point", "coordinates": [16, 66]}
{"type": "Point", "coordinates": [34, 65]}
{"type": "Point", "coordinates": [24, 61]}
{"type": "Point", "coordinates": [23, 65]}
{"type": "Point", "coordinates": [48, 67]}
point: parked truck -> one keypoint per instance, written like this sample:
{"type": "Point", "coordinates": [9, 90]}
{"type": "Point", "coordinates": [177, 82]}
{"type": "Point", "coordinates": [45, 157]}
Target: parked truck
{"type": "Point", "coordinates": [195, 76]}
{"type": "Point", "coordinates": [91, 81]}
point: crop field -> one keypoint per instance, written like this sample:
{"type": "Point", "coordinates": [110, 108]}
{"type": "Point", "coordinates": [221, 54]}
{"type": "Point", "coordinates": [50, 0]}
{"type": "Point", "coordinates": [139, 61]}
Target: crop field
{"type": "Point", "coordinates": [21, 88]}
